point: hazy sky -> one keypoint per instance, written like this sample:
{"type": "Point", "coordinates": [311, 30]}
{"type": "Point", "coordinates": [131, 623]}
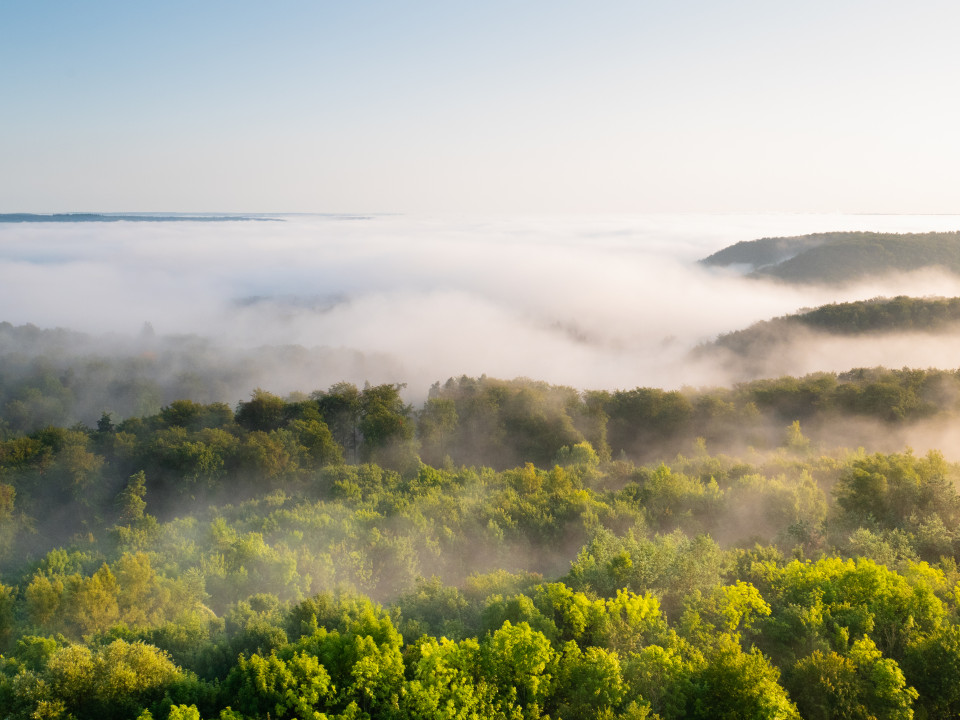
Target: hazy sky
{"type": "Point", "coordinates": [620, 106]}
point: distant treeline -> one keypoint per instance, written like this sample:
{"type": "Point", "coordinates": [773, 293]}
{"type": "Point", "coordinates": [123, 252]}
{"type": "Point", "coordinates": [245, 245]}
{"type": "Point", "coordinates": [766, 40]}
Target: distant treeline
{"type": "Point", "coordinates": [62, 377]}
{"type": "Point", "coordinates": [876, 316]}
{"type": "Point", "coordinates": [840, 257]}
{"type": "Point", "coordinates": [63, 478]}
{"type": "Point", "coordinates": [123, 217]}
{"type": "Point", "coordinates": [901, 313]}
{"type": "Point", "coordinates": [500, 423]}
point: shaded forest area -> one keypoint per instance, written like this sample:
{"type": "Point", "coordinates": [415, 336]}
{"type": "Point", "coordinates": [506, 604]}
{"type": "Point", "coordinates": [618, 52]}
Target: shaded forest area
{"type": "Point", "coordinates": [509, 549]}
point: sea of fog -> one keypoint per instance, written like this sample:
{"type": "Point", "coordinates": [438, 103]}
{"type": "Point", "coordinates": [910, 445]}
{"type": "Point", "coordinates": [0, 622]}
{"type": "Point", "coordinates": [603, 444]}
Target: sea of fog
{"type": "Point", "coordinates": [592, 302]}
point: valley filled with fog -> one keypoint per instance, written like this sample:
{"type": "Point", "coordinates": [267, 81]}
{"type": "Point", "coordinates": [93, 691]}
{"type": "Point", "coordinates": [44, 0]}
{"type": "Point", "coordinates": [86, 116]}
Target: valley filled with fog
{"type": "Point", "coordinates": [589, 302]}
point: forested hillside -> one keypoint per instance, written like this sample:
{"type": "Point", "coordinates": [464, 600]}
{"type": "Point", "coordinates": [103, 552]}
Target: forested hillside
{"type": "Point", "coordinates": [840, 257]}
{"type": "Point", "coordinates": [506, 549]}
{"type": "Point", "coordinates": [875, 317]}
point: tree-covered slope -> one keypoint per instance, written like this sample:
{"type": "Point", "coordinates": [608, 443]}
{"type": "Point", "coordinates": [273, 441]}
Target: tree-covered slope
{"type": "Point", "coordinates": [852, 319]}
{"type": "Point", "coordinates": [836, 258]}
{"type": "Point", "coordinates": [766, 251]}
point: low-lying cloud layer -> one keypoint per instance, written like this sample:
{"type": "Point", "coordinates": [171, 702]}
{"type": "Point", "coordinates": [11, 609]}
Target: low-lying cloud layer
{"type": "Point", "coordinates": [614, 302]}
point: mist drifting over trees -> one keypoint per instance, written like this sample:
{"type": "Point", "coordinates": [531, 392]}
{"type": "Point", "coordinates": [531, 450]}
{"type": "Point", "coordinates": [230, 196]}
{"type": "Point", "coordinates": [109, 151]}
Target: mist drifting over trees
{"type": "Point", "coordinates": [391, 467]}
{"type": "Point", "coordinates": [592, 303]}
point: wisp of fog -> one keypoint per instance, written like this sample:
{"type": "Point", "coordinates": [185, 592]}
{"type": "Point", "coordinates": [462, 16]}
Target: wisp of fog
{"type": "Point", "coordinates": [610, 302]}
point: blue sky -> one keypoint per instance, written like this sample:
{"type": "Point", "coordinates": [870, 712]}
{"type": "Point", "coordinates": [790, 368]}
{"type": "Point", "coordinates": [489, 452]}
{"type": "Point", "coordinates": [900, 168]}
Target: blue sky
{"type": "Point", "coordinates": [493, 107]}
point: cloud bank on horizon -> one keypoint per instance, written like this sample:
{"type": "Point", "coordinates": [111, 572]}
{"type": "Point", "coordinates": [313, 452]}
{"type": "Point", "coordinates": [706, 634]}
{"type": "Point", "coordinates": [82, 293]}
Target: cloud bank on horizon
{"type": "Point", "coordinates": [613, 302]}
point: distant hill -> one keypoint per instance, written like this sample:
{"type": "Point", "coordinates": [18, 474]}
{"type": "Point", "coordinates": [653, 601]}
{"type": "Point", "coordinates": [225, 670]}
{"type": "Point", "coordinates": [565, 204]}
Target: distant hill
{"type": "Point", "coordinates": [839, 257]}
{"type": "Point", "coordinates": [126, 217]}
{"type": "Point", "coordinates": [876, 316]}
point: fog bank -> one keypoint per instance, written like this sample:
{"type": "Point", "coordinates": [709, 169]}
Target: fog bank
{"type": "Point", "coordinates": [593, 302]}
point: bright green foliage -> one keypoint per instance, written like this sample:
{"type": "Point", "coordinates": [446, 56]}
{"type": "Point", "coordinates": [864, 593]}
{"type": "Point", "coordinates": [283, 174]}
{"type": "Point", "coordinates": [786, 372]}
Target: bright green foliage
{"type": "Point", "coordinates": [862, 684]}
{"type": "Point", "coordinates": [589, 681]}
{"type": "Point", "coordinates": [520, 663]}
{"type": "Point", "coordinates": [630, 622]}
{"type": "Point", "coordinates": [363, 673]}
{"type": "Point", "coordinates": [673, 499]}
{"type": "Point", "coordinates": [295, 686]}
{"type": "Point", "coordinates": [362, 654]}
{"type": "Point", "coordinates": [517, 609]}
{"type": "Point", "coordinates": [446, 683]}
{"type": "Point", "coordinates": [113, 682]}
{"type": "Point", "coordinates": [575, 616]}
{"type": "Point", "coordinates": [183, 712]}
{"type": "Point", "coordinates": [727, 609]}
{"type": "Point", "coordinates": [831, 601]}
{"type": "Point", "coordinates": [663, 676]}
{"type": "Point", "coordinates": [734, 684]}
{"type": "Point", "coordinates": [91, 604]}
{"type": "Point", "coordinates": [673, 566]}
{"type": "Point", "coordinates": [724, 682]}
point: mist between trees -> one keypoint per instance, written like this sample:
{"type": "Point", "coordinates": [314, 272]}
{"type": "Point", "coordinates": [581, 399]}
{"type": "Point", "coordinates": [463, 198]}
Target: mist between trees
{"type": "Point", "coordinates": [505, 549]}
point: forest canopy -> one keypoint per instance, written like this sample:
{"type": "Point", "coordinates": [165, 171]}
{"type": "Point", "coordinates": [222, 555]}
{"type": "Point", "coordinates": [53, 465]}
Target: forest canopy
{"type": "Point", "coordinates": [505, 549]}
